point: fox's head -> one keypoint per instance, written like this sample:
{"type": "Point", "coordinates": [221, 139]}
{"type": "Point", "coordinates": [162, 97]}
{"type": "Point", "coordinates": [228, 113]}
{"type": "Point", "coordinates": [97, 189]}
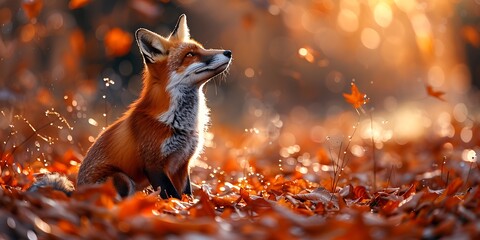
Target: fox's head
{"type": "Point", "coordinates": [179, 60]}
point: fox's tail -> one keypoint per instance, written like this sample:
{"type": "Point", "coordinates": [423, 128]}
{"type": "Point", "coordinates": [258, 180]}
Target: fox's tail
{"type": "Point", "coordinates": [54, 180]}
{"type": "Point", "coordinates": [124, 185]}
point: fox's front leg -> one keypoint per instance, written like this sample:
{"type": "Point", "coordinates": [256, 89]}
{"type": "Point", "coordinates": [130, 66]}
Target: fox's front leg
{"type": "Point", "coordinates": [158, 178]}
{"type": "Point", "coordinates": [188, 186]}
{"type": "Point", "coordinates": [182, 180]}
{"type": "Point", "coordinates": [155, 172]}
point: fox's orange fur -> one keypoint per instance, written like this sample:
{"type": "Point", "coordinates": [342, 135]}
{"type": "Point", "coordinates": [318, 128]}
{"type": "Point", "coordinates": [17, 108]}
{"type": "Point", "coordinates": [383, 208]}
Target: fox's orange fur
{"type": "Point", "coordinates": [153, 142]}
{"type": "Point", "coordinates": [121, 139]}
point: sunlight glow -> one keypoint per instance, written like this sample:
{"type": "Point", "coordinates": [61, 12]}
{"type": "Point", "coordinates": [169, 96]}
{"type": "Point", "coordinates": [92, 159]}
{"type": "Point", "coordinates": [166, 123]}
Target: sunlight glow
{"type": "Point", "coordinates": [444, 126]}
{"type": "Point", "coordinates": [436, 76]}
{"type": "Point", "coordinates": [370, 38]}
{"type": "Point", "coordinates": [303, 52]}
{"type": "Point", "coordinates": [357, 150]}
{"type": "Point", "coordinates": [406, 6]}
{"type": "Point", "coordinates": [466, 134]}
{"type": "Point", "coordinates": [423, 32]}
{"type": "Point", "coordinates": [352, 5]}
{"type": "Point", "coordinates": [469, 155]}
{"type": "Point", "coordinates": [92, 122]}
{"type": "Point", "coordinates": [460, 112]}
{"type": "Point", "coordinates": [408, 123]}
{"type": "Point", "coordinates": [347, 20]}
{"type": "Point", "coordinates": [383, 14]}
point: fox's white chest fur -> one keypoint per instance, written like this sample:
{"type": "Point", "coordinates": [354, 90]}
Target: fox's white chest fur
{"type": "Point", "coordinates": [188, 116]}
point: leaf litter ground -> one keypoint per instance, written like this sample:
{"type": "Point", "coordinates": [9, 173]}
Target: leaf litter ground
{"type": "Point", "coordinates": [430, 195]}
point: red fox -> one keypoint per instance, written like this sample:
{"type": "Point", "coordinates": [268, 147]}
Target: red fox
{"type": "Point", "coordinates": [162, 131]}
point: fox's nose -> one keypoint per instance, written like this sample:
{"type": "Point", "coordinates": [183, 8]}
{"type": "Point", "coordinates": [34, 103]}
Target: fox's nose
{"type": "Point", "coordinates": [227, 53]}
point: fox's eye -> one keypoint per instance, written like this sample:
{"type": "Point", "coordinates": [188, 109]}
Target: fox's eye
{"type": "Point", "coordinates": [189, 54]}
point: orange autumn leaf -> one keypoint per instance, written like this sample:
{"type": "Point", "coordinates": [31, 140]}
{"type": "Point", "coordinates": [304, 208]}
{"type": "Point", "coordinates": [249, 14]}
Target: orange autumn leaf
{"type": "Point", "coordinates": [67, 226]}
{"type": "Point", "coordinates": [118, 42]}
{"type": "Point", "coordinates": [99, 195]}
{"type": "Point", "coordinates": [360, 193]}
{"type": "Point", "coordinates": [32, 8]}
{"type": "Point", "coordinates": [471, 35]}
{"type": "Point", "coordinates": [356, 98]}
{"type": "Point", "coordinates": [390, 207]}
{"type": "Point", "coordinates": [6, 159]}
{"type": "Point", "coordinates": [71, 156]}
{"type": "Point", "coordinates": [44, 97]}
{"type": "Point", "coordinates": [136, 205]}
{"type": "Point", "coordinates": [205, 207]}
{"type": "Point", "coordinates": [248, 21]}
{"type": "Point", "coordinates": [411, 191]}
{"type": "Point", "coordinates": [74, 4]}
{"type": "Point", "coordinates": [453, 187]}
{"type": "Point", "coordinates": [77, 42]}
{"type": "Point", "coordinates": [435, 94]}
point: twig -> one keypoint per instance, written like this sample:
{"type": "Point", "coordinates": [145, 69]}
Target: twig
{"type": "Point", "coordinates": [9, 135]}
{"type": "Point", "coordinates": [448, 175]}
{"type": "Point", "coordinates": [333, 167]}
{"type": "Point", "coordinates": [35, 133]}
{"type": "Point", "coordinates": [342, 161]}
{"type": "Point", "coordinates": [373, 155]}
{"type": "Point", "coordinates": [389, 176]}
{"type": "Point", "coordinates": [107, 82]}
{"type": "Point", "coordinates": [337, 167]}
{"type": "Point", "coordinates": [441, 169]}
{"type": "Point", "coordinates": [468, 174]}
{"type": "Point", "coordinates": [6, 143]}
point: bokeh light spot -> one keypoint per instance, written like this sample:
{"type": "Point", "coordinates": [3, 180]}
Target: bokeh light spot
{"type": "Point", "coordinates": [370, 38]}
{"type": "Point", "coordinates": [383, 14]}
{"type": "Point", "coordinates": [347, 20]}
{"type": "Point", "coordinates": [249, 72]}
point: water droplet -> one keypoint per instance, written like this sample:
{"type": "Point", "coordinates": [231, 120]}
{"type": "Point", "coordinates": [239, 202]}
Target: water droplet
{"type": "Point", "coordinates": [11, 222]}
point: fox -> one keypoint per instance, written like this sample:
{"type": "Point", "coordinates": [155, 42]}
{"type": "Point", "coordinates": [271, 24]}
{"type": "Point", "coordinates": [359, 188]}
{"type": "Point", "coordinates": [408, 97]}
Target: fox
{"type": "Point", "coordinates": [162, 132]}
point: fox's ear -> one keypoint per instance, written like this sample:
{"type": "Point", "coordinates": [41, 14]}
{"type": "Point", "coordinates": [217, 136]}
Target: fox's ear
{"type": "Point", "coordinates": [152, 46]}
{"type": "Point", "coordinates": [181, 31]}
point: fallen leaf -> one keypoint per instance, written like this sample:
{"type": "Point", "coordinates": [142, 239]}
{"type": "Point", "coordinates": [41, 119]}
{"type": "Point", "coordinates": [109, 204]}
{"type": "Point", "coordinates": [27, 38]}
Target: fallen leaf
{"type": "Point", "coordinates": [471, 35]}
{"type": "Point", "coordinates": [248, 21]}
{"type": "Point", "coordinates": [118, 42]}
{"type": "Point", "coordinates": [74, 4]}
{"type": "Point", "coordinates": [136, 205]}
{"type": "Point", "coordinates": [410, 191]}
{"type": "Point", "coordinates": [77, 42]}
{"type": "Point", "coordinates": [435, 94]}
{"type": "Point", "coordinates": [411, 202]}
{"type": "Point", "coordinates": [453, 187]}
{"type": "Point", "coordinates": [67, 227]}
{"type": "Point", "coordinates": [318, 195]}
{"type": "Point", "coordinates": [103, 194]}
{"type": "Point", "coordinates": [32, 8]}
{"type": "Point", "coordinates": [360, 193]}
{"type": "Point", "coordinates": [204, 207]}
{"type": "Point", "coordinates": [44, 97]}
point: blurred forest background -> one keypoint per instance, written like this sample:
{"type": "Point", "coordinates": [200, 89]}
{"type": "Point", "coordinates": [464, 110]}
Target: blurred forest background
{"type": "Point", "coordinates": [287, 155]}
{"type": "Point", "coordinates": [292, 62]}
